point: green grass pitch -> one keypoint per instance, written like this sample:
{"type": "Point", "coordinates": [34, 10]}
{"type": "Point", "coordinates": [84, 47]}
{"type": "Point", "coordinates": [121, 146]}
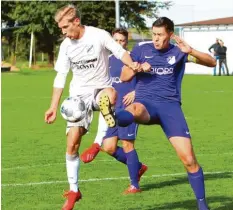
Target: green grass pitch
{"type": "Point", "coordinates": [33, 153]}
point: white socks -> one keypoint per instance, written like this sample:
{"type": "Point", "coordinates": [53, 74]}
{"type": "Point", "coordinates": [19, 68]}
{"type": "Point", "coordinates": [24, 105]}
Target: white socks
{"type": "Point", "coordinates": [72, 169]}
{"type": "Point", "coordinates": [102, 129]}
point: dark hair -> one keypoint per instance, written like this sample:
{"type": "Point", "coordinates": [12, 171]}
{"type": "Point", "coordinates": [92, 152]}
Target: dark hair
{"type": "Point", "coordinates": [166, 22]}
{"type": "Point", "coordinates": [122, 31]}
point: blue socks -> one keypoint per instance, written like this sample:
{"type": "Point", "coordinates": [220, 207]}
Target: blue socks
{"type": "Point", "coordinates": [196, 180]}
{"type": "Point", "coordinates": [124, 118]}
{"type": "Point", "coordinates": [134, 166]}
{"type": "Point", "coordinates": [120, 155]}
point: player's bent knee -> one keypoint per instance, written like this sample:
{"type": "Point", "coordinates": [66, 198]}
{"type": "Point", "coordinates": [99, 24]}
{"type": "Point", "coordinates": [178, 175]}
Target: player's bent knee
{"type": "Point", "coordinates": [112, 94]}
{"type": "Point", "coordinates": [128, 146]}
{"type": "Point", "coordinates": [110, 149]}
{"type": "Point", "coordinates": [131, 108]}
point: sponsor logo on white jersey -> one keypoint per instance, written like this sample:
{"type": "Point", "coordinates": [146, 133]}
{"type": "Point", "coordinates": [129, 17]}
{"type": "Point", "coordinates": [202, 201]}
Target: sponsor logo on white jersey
{"type": "Point", "coordinates": [171, 59]}
{"type": "Point", "coordinates": [84, 64]}
{"type": "Point", "coordinates": [161, 71]}
{"type": "Point", "coordinates": [116, 80]}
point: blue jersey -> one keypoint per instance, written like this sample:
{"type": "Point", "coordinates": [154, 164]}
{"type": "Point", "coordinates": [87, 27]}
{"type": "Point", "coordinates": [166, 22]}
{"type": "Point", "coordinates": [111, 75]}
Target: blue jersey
{"type": "Point", "coordinates": [122, 88]}
{"type": "Point", "coordinates": [163, 82]}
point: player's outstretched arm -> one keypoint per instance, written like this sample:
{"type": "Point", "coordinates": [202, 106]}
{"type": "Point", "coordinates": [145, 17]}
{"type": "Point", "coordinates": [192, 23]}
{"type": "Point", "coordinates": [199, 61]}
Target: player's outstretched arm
{"type": "Point", "coordinates": [51, 113]}
{"type": "Point", "coordinates": [201, 58]}
{"type": "Point", "coordinates": [127, 74]}
{"type": "Point", "coordinates": [196, 56]}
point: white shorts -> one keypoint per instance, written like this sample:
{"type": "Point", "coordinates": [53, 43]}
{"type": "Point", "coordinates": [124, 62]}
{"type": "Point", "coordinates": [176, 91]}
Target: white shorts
{"type": "Point", "coordinates": [91, 102]}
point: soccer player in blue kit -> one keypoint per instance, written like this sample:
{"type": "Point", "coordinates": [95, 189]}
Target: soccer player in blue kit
{"type": "Point", "coordinates": [158, 94]}
{"type": "Point", "coordinates": [127, 135]}
{"type": "Point", "coordinates": [126, 95]}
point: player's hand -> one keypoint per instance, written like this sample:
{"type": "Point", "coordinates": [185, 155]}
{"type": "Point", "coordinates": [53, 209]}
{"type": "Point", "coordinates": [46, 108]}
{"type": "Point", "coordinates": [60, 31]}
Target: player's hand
{"type": "Point", "coordinates": [184, 47]}
{"type": "Point", "coordinates": [129, 98]}
{"type": "Point", "coordinates": [146, 67]}
{"type": "Point", "coordinates": [135, 66]}
{"type": "Point", "coordinates": [50, 115]}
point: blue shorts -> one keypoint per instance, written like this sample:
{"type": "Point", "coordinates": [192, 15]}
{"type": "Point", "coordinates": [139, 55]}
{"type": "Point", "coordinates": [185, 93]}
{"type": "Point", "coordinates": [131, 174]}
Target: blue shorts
{"type": "Point", "coordinates": [123, 133]}
{"type": "Point", "coordinates": [169, 116]}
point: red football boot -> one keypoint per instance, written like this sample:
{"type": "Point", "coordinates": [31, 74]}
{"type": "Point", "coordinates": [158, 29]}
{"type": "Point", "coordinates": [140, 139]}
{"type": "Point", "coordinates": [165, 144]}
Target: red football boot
{"type": "Point", "coordinates": [131, 190]}
{"type": "Point", "coordinates": [142, 170]}
{"type": "Point", "coordinates": [90, 153]}
{"type": "Point", "coordinates": [72, 198]}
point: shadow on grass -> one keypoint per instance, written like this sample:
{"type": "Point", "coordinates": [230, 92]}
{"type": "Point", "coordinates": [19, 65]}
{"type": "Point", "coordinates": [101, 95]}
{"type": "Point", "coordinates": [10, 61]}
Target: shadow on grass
{"type": "Point", "coordinates": [226, 204]}
{"type": "Point", "coordinates": [183, 180]}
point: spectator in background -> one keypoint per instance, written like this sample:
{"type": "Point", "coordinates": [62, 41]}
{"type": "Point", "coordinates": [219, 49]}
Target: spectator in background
{"type": "Point", "coordinates": [222, 50]}
{"type": "Point", "coordinates": [213, 50]}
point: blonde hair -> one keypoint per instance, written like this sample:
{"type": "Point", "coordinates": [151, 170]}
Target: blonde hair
{"type": "Point", "coordinates": [68, 11]}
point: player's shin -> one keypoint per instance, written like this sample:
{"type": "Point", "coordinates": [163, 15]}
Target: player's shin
{"type": "Point", "coordinates": [124, 118]}
{"type": "Point", "coordinates": [119, 155]}
{"type": "Point", "coordinates": [134, 166]}
{"type": "Point", "coordinates": [72, 168]}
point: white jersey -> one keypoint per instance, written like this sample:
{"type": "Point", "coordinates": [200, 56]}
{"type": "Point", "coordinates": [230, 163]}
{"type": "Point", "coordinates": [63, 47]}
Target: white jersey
{"type": "Point", "coordinates": [88, 59]}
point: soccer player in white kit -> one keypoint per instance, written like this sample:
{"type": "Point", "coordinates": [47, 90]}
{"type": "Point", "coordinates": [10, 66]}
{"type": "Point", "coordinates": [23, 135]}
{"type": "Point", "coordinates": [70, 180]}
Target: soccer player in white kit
{"type": "Point", "coordinates": [85, 51]}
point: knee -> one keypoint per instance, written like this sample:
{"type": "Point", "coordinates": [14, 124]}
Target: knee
{"type": "Point", "coordinates": [72, 147]}
{"type": "Point", "coordinates": [132, 108]}
{"type": "Point", "coordinates": [137, 110]}
{"type": "Point", "coordinates": [189, 162]}
{"type": "Point", "coordinates": [128, 146]}
{"type": "Point", "coordinates": [112, 94]}
{"type": "Point", "coordinates": [110, 149]}
{"type": "Point", "coordinates": [73, 139]}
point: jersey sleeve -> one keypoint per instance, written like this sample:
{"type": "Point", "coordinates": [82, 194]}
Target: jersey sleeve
{"type": "Point", "coordinates": [109, 43]}
{"type": "Point", "coordinates": [187, 57]}
{"type": "Point", "coordinates": [135, 53]}
{"type": "Point", "coordinates": [63, 62]}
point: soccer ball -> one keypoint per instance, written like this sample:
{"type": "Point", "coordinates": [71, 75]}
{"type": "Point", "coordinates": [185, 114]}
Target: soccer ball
{"type": "Point", "coordinates": [73, 109]}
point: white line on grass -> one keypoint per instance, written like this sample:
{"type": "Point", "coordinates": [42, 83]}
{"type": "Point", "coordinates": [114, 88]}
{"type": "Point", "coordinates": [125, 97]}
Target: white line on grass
{"type": "Point", "coordinates": [96, 161]}
{"type": "Point", "coordinates": [107, 179]}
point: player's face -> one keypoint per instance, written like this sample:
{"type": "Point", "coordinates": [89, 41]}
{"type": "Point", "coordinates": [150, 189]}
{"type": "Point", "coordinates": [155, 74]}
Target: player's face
{"type": "Point", "coordinates": [70, 29]}
{"type": "Point", "coordinates": [161, 37]}
{"type": "Point", "coordinates": [121, 39]}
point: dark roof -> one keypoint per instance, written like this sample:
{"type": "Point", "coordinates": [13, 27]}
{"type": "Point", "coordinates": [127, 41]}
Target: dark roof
{"type": "Point", "coordinates": [219, 21]}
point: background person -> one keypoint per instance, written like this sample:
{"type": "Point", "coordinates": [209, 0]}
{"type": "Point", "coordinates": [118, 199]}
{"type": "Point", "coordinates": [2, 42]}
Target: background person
{"type": "Point", "coordinates": [222, 53]}
{"type": "Point", "coordinates": [213, 50]}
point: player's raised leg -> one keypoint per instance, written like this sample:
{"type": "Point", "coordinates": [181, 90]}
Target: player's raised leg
{"type": "Point", "coordinates": [184, 150]}
{"type": "Point", "coordinates": [106, 100]}
{"type": "Point", "coordinates": [72, 166]}
{"type": "Point", "coordinates": [136, 112]}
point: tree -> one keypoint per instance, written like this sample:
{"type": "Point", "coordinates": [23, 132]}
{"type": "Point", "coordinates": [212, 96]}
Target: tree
{"type": "Point", "coordinates": [38, 16]}
{"type": "Point", "coordinates": [102, 13]}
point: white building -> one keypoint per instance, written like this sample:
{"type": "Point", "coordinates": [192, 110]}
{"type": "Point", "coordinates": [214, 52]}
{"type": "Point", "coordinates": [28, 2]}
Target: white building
{"type": "Point", "coordinates": [202, 34]}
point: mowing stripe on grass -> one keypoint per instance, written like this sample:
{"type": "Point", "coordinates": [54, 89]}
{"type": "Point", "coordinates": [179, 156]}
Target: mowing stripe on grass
{"type": "Point", "coordinates": [108, 179]}
{"type": "Point", "coordinates": [97, 161]}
